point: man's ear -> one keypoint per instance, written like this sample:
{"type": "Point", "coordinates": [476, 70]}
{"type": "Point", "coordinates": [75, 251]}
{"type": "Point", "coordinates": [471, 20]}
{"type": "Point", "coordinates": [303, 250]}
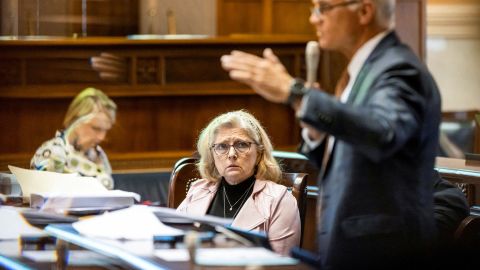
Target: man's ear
{"type": "Point", "coordinates": [367, 12]}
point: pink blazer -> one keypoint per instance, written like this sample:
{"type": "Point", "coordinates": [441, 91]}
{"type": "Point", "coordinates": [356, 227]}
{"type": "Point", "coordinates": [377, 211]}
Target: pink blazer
{"type": "Point", "coordinates": [270, 208]}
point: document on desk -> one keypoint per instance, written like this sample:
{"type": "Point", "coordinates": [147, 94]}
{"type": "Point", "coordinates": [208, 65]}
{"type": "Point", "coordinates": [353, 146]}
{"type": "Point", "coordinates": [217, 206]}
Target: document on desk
{"type": "Point", "coordinates": [52, 190]}
{"type": "Point", "coordinates": [134, 223]}
{"type": "Point", "coordinates": [13, 225]}
{"type": "Point", "coordinates": [227, 256]}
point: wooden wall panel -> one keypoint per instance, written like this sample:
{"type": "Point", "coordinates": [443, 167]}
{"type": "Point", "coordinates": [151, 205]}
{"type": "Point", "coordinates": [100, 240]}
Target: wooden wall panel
{"type": "Point", "coordinates": [291, 17]}
{"type": "Point", "coordinates": [239, 16]}
{"type": "Point", "coordinates": [104, 17]}
{"type": "Point", "coordinates": [170, 92]}
{"type": "Point", "coordinates": [64, 18]}
{"type": "Point", "coordinates": [143, 124]}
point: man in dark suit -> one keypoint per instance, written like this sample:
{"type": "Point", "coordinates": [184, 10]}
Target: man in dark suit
{"type": "Point", "coordinates": [376, 142]}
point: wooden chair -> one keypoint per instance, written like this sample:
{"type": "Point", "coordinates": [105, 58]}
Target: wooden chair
{"type": "Point", "coordinates": [187, 173]}
{"type": "Point", "coordinates": [297, 183]}
{"type": "Point", "coordinates": [180, 182]}
{"type": "Point", "coordinates": [152, 186]}
{"type": "Point", "coordinates": [294, 162]}
{"type": "Point", "coordinates": [467, 234]}
{"type": "Point", "coordinates": [183, 161]}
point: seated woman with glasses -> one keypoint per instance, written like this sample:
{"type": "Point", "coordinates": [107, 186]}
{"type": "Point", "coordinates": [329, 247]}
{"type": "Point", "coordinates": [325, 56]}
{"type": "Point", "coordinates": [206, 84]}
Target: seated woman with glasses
{"type": "Point", "coordinates": [76, 148]}
{"type": "Point", "coordinates": [240, 179]}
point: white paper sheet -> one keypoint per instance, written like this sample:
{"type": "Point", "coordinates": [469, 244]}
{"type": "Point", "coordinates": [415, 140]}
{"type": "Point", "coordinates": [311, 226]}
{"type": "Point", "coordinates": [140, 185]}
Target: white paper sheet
{"type": "Point", "coordinates": [50, 184]}
{"type": "Point", "coordinates": [134, 223]}
{"type": "Point", "coordinates": [13, 225]}
{"type": "Point", "coordinates": [227, 256]}
{"type": "Point", "coordinates": [44, 182]}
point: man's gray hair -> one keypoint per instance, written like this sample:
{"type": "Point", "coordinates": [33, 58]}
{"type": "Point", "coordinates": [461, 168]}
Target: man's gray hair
{"type": "Point", "coordinates": [385, 16]}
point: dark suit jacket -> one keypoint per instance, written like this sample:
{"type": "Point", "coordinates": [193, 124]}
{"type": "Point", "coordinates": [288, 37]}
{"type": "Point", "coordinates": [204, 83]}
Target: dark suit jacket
{"type": "Point", "coordinates": [377, 190]}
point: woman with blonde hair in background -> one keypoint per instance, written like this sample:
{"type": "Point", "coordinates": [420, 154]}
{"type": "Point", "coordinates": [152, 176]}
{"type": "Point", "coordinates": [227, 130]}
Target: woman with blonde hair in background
{"type": "Point", "coordinates": [76, 148]}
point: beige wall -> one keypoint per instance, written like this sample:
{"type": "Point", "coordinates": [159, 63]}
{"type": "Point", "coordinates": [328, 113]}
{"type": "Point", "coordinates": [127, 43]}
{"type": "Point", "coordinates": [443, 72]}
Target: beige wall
{"type": "Point", "coordinates": [453, 51]}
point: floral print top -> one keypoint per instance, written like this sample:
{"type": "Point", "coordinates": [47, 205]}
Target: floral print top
{"type": "Point", "coordinates": [56, 155]}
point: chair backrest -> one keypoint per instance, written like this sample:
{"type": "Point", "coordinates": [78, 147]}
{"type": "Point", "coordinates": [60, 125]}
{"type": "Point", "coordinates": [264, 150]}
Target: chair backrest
{"type": "Point", "coordinates": [152, 186]}
{"type": "Point", "coordinates": [183, 161]}
{"type": "Point", "coordinates": [292, 162]}
{"type": "Point", "coordinates": [180, 182]}
{"type": "Point", "coordinates": [297, 183]}
{"type": "Point", "coordinates": [467, 234]}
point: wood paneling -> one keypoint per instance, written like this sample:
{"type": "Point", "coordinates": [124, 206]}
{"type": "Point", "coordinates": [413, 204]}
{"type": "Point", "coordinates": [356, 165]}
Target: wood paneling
{"type": "Point", "coordinates": [263, 16]}
{"type": "Point", "coordinates": [172, 87]}
{"type": "Point", "coordinates": [64, 18]}
{"type": "Point", "coordinates": [239, 16]}
{"type": "Point", "coordinates": [455, 20]}
{"type": "Point", "coordinates": [292, 17]}
{"type": "Point", "coordinates": [172, 90]}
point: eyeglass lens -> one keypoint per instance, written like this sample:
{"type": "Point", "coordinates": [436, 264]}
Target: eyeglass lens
{"type": "Point", "coordinates": [239, 146]}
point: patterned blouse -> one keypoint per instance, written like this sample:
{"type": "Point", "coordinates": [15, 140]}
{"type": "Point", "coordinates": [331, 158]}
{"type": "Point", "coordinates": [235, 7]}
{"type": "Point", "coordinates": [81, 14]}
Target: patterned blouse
{"type": "Point", "coordinates": [56, 155]}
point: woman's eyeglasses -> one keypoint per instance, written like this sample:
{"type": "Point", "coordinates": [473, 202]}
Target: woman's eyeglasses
{"type": "Point", "coordinates": [240, 147]}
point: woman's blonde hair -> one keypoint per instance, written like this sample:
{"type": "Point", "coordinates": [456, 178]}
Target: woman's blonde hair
{"type": "Point", "coordinates": [267, 167]}
{"type": "Point", "coordinates": [88, 101]}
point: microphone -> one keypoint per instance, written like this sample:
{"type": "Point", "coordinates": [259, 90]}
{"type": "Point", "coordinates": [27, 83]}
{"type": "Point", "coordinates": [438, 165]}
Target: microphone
{"type": "Point", "coordinates": [312, 55]}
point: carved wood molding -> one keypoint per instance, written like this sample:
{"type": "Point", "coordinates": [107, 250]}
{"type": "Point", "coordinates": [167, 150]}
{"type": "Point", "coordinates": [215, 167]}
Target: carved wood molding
{"type": "Point", "coordinates": [454, 21]}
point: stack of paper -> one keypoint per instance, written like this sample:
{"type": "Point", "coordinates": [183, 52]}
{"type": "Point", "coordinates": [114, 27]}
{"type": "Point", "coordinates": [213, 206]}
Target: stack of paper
{"type": "Point", "coordinates": [13, 225]}
{"type": "Point", "coordinates": [59, 191]}
{"type": "Point", "coordinates": [227, 256]}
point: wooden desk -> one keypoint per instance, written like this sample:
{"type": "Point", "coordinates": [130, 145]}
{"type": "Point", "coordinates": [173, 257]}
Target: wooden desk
{"type": "Point", "coordinates": [137, 254]}
{"type": "Point", "coordinates": [13, 256]}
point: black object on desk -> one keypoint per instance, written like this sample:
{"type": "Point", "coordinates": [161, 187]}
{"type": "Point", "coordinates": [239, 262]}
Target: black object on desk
{"type": "Point", "coordinates": [172, 240]}
{"type": "Point", "coordinates": [258, 239]}
{"type": "Point", "coordinates": [42, 219]}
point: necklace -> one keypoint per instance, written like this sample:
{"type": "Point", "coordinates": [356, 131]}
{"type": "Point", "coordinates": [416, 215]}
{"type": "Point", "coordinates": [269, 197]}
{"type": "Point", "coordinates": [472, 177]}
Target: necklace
{"type": "Point", "coordinates": [236, 212]}
{"type": "Point", "coordinates": [239, 199]}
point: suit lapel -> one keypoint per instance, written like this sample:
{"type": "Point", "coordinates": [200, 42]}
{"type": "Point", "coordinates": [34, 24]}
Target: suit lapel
{"type": "Point", "coordinates": [362, 84]}
{"type": "Point", "coordinates": [201, 200]}
{"type": "Point", "coordinates": [367, 75]}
